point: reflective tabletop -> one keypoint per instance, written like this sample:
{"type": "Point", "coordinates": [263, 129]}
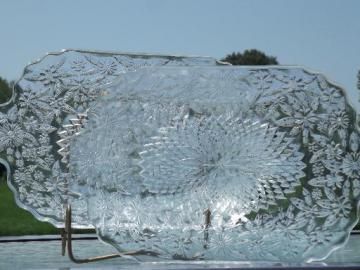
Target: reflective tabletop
{"type": "Point", "coordinates": [47, 255]}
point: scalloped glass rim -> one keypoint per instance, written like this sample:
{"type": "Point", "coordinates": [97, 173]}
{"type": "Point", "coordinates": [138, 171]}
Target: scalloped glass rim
{"type": "Point", "coordinates": [54, 59]}
{"type": "Point", "coordinates": [101, 69]}
{"type": "Point", "coordinates": [307, 94]}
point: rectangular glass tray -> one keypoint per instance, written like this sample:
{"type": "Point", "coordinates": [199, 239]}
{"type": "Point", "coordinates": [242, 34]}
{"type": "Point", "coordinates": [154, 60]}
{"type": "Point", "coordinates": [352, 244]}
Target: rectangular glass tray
{"type": "Point", "coordinates": [183, 159]}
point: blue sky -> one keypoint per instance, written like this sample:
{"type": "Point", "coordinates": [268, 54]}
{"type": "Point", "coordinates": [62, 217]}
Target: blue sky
{"type": "Point", "coordinates": [323, 35]}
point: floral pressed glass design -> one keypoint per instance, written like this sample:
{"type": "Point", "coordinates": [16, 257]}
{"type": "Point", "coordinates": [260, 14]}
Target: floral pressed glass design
{"type": "Point", "coordinates": [53, 94]}
{"type": "Point", "coordinates": [220, 163]}
{"type": "Point", "coordinates": [181, 158]}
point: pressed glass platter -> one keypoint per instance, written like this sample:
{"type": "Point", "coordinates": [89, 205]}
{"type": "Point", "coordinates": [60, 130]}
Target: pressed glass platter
{"type": "Point", "coordinates": [193, 162]}
{"type": "Point", "coordinates": [220, 163]}
{"type": "Point", "coordinates": [51, 92]}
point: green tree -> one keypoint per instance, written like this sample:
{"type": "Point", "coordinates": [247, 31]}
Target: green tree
{"type": "Point", "coordinates": [5, 90]}
{"type": "Point", "coordinates": [358, 82]}
{"type": "Point", "coordinates": [250, 57]}
{"type": "Point", "coordinates": [5, 95]}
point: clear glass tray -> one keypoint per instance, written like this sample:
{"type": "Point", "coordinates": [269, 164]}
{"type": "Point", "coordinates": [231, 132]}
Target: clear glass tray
{"type": "Point", "coordinates": [192, 162]}
{"type": "Point", "coordinates": [220, 163]}
{"type": "Point", "coordinates": [53, 92]}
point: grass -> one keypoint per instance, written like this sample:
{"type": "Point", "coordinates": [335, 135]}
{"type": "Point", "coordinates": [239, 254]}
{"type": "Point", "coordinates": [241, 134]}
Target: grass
{"type": "Point", "coordinates": [17, 221]}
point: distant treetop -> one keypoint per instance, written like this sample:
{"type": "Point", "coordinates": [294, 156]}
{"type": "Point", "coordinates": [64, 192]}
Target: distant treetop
{"type": "Point", "coordinates": [250, 57]}
{"type": "Point", "coordinates": [5, 90]}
